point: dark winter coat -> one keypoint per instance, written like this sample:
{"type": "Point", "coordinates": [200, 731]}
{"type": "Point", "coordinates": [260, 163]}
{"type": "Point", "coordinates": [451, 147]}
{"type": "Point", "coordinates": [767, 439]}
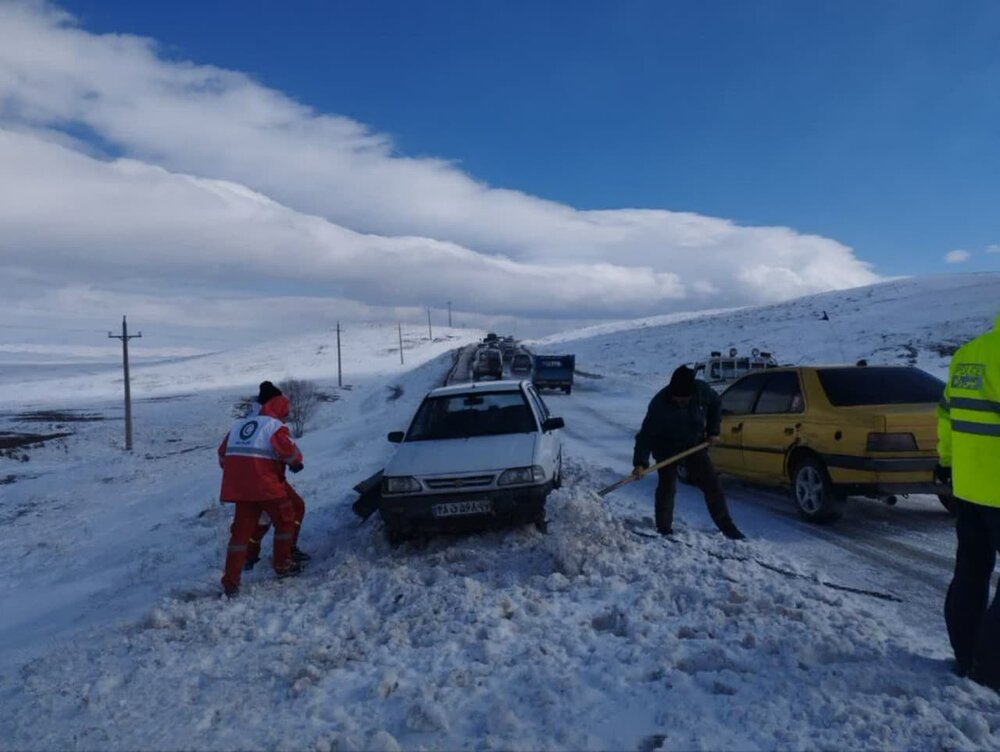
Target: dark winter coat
{"type": "Point", "coordinates": [669, 428]}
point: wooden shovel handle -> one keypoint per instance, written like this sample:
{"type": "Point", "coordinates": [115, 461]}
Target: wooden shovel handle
{"type": "Point", "coordinates": [669, 461]}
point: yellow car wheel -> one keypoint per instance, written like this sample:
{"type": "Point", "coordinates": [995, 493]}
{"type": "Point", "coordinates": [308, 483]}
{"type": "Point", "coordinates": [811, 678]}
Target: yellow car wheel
{"type": "Point", "coordinates": [814, 495]}
{"type": "Point", "coordinates": [948, 502]}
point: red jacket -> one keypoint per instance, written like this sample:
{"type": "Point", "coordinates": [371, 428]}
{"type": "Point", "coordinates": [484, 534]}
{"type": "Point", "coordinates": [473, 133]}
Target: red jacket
{"type": "Point", "coordinates": [254, 454]}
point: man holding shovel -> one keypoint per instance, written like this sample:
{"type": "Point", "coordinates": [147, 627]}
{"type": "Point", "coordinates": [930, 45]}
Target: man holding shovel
{"type": "Point", "coordinates": [682, 415]}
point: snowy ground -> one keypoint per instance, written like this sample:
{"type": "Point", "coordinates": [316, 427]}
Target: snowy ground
{"type": "Point", "coordinates": [591, 637]}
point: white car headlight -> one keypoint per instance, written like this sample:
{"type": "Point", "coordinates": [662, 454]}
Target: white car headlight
{"type": "Point", "coordinates": [520, 475]}
{"type": "Point", "coordinates": [401, 484]}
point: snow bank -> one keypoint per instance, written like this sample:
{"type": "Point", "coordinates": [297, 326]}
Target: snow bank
{"type": "Point", "coordinates": [593, 637]}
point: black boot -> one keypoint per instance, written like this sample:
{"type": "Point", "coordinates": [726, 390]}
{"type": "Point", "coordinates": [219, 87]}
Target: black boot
{"type": "Point", "coordinates": [251, 560]}
{"type": "Point", "coordinates": [299, 555]}
{"type": "Point", "coordinates": [979, 676]}
{"type": "Point", "coordinates": [733, 533]}
{"type": "Point", "coordinates": [292, 570]}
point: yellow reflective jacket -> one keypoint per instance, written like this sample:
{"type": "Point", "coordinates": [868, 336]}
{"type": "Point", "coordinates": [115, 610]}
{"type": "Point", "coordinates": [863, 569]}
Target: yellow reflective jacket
{"type": "Point", "coordinates": [969, 420]}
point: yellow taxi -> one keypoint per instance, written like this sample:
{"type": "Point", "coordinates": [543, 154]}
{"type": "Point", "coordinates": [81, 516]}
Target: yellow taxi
{"type": "Point", "coordinates": [832, 432]}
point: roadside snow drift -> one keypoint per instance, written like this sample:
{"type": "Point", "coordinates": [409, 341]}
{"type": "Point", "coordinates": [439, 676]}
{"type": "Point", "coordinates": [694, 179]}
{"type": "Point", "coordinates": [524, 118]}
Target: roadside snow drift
{"type": "Point", "coordinates": [593, 637]}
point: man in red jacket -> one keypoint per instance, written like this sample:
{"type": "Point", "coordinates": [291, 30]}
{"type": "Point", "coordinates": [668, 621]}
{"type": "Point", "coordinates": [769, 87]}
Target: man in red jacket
{"type": "Point", "coordinates": [266, 392]}
{"type": "Point", "coordinates": [253, 457]}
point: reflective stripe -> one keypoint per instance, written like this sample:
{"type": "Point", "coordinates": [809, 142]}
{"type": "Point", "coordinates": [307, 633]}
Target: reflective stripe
{"type": "Point", "coordinates": [251, 437]}
{"type": "Point", "coordinates": [250, 452]}
{"type": "Point", "coordinates": [283, 536]}
{"type": "Point", "coordinates": [979, 429]}
{"type": "Point", "coordinates": [237, 549]}
{"type": "Point", "coordinates": [981, 405]}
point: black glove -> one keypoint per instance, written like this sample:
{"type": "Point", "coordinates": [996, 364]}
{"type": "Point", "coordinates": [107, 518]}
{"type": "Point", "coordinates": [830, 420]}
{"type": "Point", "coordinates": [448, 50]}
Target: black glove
{"type": "Point", "coordinates": [296, 468]}
{"type": "Point", "coordinates": [942, 474]}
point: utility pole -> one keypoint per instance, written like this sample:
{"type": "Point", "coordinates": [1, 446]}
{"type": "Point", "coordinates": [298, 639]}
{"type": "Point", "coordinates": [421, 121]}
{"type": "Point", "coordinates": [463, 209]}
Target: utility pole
{"type": "Point", "coordinates": [125, 337]}
{"type": "Point", "coordinates": [400, 325]}
{"type": "Point", "coordinates": [430, 333]}
{"type": "Point", "coordinates": [340, 372]}
{"type": "Point", "coordinates": [449, 314]}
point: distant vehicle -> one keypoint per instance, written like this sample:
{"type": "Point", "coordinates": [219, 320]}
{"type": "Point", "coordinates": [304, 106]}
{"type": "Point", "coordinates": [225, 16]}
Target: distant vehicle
{"type": "Point", "coordinates": [508, 347]}
{"type": "Point", "coordinates": [833, 432]}
{"type": "Point", "coordinates": [720, 370]}
{"type": "Point", "coordinates": [520, 363]}
{"type": "Point", "coordinates": [554, 372]}
{"type": "Point", "coordinates": [491, 339]}
{"type": "Point", "coordinates": [488, 363]}
{"type": "Point", "coordinates": [474, 456]}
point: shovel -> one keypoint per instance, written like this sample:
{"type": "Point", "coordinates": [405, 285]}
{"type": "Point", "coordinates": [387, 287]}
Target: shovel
{"type": "Point", "coordinates": [669, 461]}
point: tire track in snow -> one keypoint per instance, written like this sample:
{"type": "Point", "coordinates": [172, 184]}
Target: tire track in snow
{"type": "Point", "coordinates": [890, 554]}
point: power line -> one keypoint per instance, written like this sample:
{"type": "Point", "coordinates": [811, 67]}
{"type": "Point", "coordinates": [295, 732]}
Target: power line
{"type": "Point", "coordinates": [49, 328]}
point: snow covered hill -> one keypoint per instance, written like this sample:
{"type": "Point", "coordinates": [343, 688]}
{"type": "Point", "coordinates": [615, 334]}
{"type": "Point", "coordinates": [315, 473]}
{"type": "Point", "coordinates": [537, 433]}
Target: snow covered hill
{"type": "Point", "coordinates": [916, 320]}
{"type": "Point", "coordinates": [591, 637]}
{"type": "Point", "coordinates": [366, 349]}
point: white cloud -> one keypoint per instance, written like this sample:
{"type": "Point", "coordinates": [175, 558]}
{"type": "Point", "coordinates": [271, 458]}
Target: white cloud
{"type": "Point", "coordinates": [993, 248]}
{"type": "Point", "coordinates": [957, 256]}
{"type": "Point", "coordinates": [228, 185]}
{"type": "Point", "coordinates": [128, 217]}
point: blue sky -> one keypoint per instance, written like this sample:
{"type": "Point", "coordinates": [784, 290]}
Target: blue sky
{"type": "Point", "coordinates": [875, 124]}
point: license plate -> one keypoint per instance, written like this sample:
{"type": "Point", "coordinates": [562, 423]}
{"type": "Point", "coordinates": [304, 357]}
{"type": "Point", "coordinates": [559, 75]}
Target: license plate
{"type": "Point", "coordinates": [459, 508]}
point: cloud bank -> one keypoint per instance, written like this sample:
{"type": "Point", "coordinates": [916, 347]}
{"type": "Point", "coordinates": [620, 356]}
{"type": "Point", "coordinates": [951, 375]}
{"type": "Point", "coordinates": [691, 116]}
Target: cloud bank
{"type": "Point", "coordinates": [184, 179]}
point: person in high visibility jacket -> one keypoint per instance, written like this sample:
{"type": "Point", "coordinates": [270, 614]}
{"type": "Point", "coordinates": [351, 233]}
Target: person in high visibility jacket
{"type": "Point", "coordinates": [253, 457]}
{"type": "Point", "coordinates": [267, 391]}
{"type": "Point", "coordinates": [969, 449]}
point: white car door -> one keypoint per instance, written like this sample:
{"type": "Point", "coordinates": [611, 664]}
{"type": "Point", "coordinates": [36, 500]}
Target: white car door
{"type": "Point", "coordinates": [549, 452]}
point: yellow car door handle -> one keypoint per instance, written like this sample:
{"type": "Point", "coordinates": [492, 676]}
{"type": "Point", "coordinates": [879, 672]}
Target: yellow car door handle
{"type": "Point", "coordinates": [789, 431]}
{"type": "Point", "coordinates": [737, 428]}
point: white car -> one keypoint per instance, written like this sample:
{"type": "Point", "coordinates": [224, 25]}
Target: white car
{"type": "Point", "coordinates": [475, 455]}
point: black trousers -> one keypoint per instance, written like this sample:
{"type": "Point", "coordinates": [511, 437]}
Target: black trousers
{"type": "Point", "coordinates": [973, 628]}
{"type": "Point", "coordinates": [702, 474]}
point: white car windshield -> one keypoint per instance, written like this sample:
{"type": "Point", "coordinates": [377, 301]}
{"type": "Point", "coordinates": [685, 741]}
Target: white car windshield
{"type": "Point", "coordinates": [461, 416]}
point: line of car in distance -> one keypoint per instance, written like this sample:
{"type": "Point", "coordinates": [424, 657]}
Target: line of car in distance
{"type": "Point", "coordinates": [545, 371]}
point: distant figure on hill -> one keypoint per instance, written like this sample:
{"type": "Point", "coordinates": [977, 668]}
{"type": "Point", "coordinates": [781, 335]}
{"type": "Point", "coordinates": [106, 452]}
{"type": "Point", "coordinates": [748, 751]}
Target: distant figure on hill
{"type": "Point", "coordinates": [969, 449]}
{"type": "Point", "coordinates": [680, 416]}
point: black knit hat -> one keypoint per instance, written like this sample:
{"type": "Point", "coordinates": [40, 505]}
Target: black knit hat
{"type": "Point", "coordinates": [267, 391]}
{"type": "Point", "coordinates": [682, 382]}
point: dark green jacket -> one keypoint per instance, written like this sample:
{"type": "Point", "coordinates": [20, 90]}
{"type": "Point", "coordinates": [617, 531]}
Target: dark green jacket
{"type": "Point", "coordinates": [668, 428]}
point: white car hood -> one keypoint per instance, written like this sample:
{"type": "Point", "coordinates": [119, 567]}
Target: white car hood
{"type": "Point", "coordinates": [456, 456]}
